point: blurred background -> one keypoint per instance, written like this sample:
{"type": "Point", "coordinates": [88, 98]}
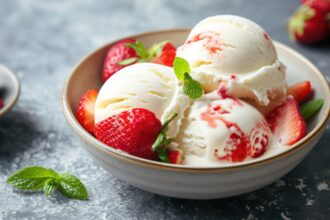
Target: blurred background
{"type": "Point", "coordinates": [42, 40]}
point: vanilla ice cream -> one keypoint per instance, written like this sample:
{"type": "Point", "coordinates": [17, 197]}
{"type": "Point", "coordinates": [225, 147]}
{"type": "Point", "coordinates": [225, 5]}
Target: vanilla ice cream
{"type": "Point", "coordinates": [144, 85]}
{"type": "Point", "coordinates": [219, 131]}
{"type": "Point", "coordinates": [237, 54]}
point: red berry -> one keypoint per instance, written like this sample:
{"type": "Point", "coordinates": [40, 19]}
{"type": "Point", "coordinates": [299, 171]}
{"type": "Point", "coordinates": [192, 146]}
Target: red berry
{"type": "Point", "coordinates": [133, 131]}
{"type": "Point", "coordinates": [85, 111]}
{"type": "Point", "coordinates": [116, 53]}
{"type": "Point", "coordinates": [167, 55]}
{"type": "Point", "coordinates": [175, 156]}
{"type": "Point", "coordinates": [320, 5]}
{"type": "Point", "coordinates": [300, 91]}
{"type": "Point", "coordinates": [258, 140]}
{"type": "Point", "coordinates": [286, 122]}
{"type": "Point", "coordinates": [1, 103]}
{"type": "Point", "coordinates": [308, 24]}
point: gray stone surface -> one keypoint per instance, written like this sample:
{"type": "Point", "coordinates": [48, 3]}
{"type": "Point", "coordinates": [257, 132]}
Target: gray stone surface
{"type": "Point", "coordinates": [42, 40]}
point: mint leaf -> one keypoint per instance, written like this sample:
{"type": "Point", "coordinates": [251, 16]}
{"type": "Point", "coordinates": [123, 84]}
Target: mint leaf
{"type": "Point", "coordinates": [139, 49]}
{"type": "Point", "coordinates": [156, 49]}
{"type": "Point", "coordinates": [70, 186]}
{"type": "Point", "coordinates": [36, 178]}
{"type": "Point", "coordinates": [128, 61]}
{"type": "Point", "coordinates": [160, 144]}
{"type": "Point", "coordinates": [191, 87]}
{"type": "Point", "coordinates": [181, 66]}
{"type": "Point", "coordinates": [31, 178]}
{"type": "Point", "coordinates": [309, 109]}
{"type": "Point", "coordinates": [50, 186]}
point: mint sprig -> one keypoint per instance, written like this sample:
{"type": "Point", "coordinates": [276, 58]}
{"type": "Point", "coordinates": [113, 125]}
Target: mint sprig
{"type": "Point", "coordinates": [310, 108]}
{"type": "Point", "coordinates": [40, 178]}
{"type": "Point", "coordinates": [191, 87]}
{"type": "Point", "coordinates": [162, 140]}
{"type": "Point", "coordinates": [143, 54]}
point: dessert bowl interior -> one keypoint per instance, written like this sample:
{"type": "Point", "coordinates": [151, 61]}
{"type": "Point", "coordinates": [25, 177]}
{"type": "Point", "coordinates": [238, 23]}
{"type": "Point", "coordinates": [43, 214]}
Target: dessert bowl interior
{"type": "Point", "coordinates": [86, 75]}
{"type": "Point", "coordinates": [9, 89]}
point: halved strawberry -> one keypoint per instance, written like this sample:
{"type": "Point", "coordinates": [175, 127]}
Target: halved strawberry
{"type": "Point", "coordinates": [1, 103]}
{"type": "Point", "coordinates": [85, 111]}
{"type": "Point", "coordinates": [287, 123]}
{"type": "Point", "coordinates": [300, 91]}
{"type": "Point", "coordinates": [175, 156]}
{"type": "Point", "coordinates": [133, 131]}
{"type": "Point", "coordinates": [167, 55]}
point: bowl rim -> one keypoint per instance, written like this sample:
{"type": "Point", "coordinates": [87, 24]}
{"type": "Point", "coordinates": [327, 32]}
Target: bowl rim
{"type": "Point", "coordinates": [16, 92]}
{"type": "Point", "coordinates": [134, 160]}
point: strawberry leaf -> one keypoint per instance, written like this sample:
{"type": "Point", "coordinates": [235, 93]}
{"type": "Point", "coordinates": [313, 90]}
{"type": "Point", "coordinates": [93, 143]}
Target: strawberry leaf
{"type": "Point", "coordinates": [156, 49]}
{"type": "Point", "coordinates": [162, 141]}
{"type": "Point", "coordinates": [128, 61]}
{"type": "Point", "coordinates": [139, 49]}
{"type": "Point", "coordinates": [309, 109]}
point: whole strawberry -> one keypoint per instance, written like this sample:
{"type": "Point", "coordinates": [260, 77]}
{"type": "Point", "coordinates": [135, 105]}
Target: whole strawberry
{"type": "Point", "coordinates": [117, 53]}
{"type": "Point", "coordinates": [130, 51]}
{"type": "Point", "coordinates": [133, 131]}
{"type": "Point", "coordinates": [166, 56]}
{"type": "Point", "coordinates": [308, 24]}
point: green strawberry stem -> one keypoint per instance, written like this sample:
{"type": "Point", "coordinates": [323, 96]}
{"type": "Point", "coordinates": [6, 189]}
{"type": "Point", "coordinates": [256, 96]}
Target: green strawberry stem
{"type": "Point", "coordinates": [162, 140]}
{"type": "Point", "coordinates": [143, 55]}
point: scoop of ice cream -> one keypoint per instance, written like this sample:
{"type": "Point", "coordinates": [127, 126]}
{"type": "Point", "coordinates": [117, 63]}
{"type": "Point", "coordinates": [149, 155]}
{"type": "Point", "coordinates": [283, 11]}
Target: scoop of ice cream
{"type": "Point", "coordinates": [236, 52]}
{"type": "Point", "coordinates": [222, 130]}
{"type": "Point", "coordinates": [145, 85]}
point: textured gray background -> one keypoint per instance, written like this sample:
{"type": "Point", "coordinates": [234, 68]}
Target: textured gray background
{"type": "Point", "coordinates": [42, 40]}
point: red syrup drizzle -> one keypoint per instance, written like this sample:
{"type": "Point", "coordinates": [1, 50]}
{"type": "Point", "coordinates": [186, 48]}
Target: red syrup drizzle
{"type": "Point", "coordinates": [239, 145]}
{"type": "Point", "coordinates": [211, 40]}
{"type": "Point", "coordinates": [233, 77]}
{"type": "Point", "coordinates": [266, 36]}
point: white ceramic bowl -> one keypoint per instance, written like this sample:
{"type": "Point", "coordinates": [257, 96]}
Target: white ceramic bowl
{"type": "Point", "coordinates": [9, 89]}
{"type": "Point", "coordinates": [194, 182]}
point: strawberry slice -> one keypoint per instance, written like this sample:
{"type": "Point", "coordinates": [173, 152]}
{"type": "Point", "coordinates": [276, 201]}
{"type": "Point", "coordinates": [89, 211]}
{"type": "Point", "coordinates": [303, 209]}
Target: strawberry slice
{"type": "Point", "coordinates": [175, 156]}
{"type": "Point", "coordinates": [287, 123]}
{"type": "Point", "coordinates": [85, 111]}
{"type": "Point", "coordinates": [133, 131]}
{"type": "Point", "coordinates": [166, 57]}
{"type": "Point", "coordinates": [300, 91]}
